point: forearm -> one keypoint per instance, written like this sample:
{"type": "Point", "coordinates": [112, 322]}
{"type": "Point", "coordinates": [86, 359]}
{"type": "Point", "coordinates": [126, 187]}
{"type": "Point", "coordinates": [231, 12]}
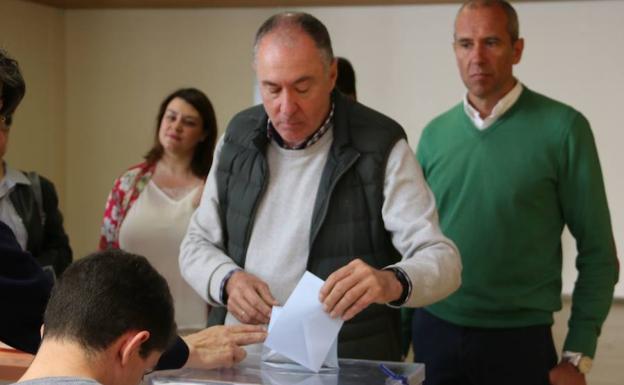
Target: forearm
{"type": "Point", "coordinates": [204, 265]}
{"type": "Point", "coordinates": [430, 260]}
{"type": "Point", "coordinates": [203, 261]}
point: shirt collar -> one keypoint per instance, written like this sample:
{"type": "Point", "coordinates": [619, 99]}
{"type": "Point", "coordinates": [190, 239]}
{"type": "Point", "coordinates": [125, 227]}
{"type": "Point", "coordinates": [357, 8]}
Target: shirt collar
{"type": "Point", "coordinates": [503, 105]}
{"type": "Point", "coordinates": [11, 178]}
{"type": "Point", "coordinates": [14, 176]}
{"type": "Point", "coordinates": [329, 123]}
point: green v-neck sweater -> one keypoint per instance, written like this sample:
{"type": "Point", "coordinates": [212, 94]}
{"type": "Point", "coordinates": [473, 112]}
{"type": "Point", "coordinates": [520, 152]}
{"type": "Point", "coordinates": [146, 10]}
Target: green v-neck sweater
{"type": "Point", "coordinates": [504, 195]}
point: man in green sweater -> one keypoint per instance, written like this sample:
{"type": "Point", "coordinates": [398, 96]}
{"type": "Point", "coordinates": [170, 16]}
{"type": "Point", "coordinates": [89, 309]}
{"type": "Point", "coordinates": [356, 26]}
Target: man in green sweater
{"type": "Point", "coordinates": [510, 168]}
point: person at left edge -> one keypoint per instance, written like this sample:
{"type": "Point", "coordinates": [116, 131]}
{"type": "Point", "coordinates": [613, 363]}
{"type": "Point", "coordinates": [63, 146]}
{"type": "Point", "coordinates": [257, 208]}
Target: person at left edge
{"type": "Point", "coordinates": [28, 201]}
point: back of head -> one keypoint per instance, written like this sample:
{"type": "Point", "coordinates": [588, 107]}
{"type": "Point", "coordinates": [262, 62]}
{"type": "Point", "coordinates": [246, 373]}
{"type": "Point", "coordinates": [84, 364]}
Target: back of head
{"type": "Point", "coordinates": [310, 25]}
{"type": "Point", "coordinates": [104, 295]}
{"type": "Point", "coordinates": [12, 86]}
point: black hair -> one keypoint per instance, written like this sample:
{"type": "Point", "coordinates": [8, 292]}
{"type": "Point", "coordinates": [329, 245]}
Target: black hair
{"type": "Point", "coordinates": [102, 296]}
{"type": "Point", "coordinates": [12, 86]}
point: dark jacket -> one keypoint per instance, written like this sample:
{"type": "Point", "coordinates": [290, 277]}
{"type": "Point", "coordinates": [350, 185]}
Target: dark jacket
{"type": "Point", "coordinates": [47, 240]}
{"type": "Point", "coordinates": [347, 219]}
{"type": "Point", "coordinates": [24, 292]}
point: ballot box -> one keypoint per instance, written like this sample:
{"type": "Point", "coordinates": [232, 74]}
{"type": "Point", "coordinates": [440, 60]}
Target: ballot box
{"type": "Point", "coordinates": [254, 372]}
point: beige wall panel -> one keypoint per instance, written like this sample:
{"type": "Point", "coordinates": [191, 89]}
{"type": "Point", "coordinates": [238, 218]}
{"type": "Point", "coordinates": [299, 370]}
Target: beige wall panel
{"type": "Point", "coordinates": [34, 35]}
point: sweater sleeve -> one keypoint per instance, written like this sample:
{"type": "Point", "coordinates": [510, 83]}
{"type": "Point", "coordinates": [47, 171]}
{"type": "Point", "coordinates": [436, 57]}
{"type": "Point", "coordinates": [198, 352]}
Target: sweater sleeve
{"type": "Point", "coordinates": [430, 260]}
{"type": "Point", "coordinates": [203, 262]}
{"type": "Point", "coordinates": [586, 213]}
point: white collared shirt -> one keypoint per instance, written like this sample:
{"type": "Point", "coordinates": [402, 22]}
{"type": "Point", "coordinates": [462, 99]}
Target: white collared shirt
{"type": "Point", "coordinates": [8, 215]}
{"type": "Point", "coordinates": [499, 109]}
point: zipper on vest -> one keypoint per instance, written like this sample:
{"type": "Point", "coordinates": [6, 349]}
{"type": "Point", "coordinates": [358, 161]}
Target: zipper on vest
{"type": "Point", "coordinates": [329, 196]}
{"type": "Point", "coordinates": [253, 215]}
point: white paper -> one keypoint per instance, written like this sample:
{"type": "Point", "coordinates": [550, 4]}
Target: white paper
{"type": "Point", "coordinates": [302, 331]}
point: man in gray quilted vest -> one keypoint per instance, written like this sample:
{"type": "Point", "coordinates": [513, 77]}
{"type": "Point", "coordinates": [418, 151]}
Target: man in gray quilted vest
{"type": "Point", "coordinates": [312, 180]}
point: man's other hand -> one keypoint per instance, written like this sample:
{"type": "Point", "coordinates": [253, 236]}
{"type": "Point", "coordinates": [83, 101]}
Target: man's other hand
{"type": "Point", "coordinates": [220, 346]}
{"type": "Point", "coordinates": [566, 374]}
{"type": "Point", "coordinates": [353, 287]}
{"type": "Point", "coordinates": [249, 298]}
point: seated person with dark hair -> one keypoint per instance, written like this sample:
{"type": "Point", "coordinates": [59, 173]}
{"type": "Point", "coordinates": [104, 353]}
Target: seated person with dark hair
{"type": "Point", "coordinates": [108, 320]}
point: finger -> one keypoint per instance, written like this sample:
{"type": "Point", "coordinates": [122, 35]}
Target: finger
{"type": "Point", "coordinates": [338, 291]}
{"type": "Point", "coordinates": [242, 311]}
{"type": "Point", "coordinates": [258, 310]}
{"type": "Point", "coordinates": [351, 296]}
{"type": "Point", "coordinates": [239, 354]}
{"type": "Point", "coordinates": [234, 329]}
{"type": "Point", "coordinates": [266, 295]}
{"type": "Point", "coordinates": [242, 339]}
{"type": "Point", "coordinates": [331, 281]}
{"type": "Point", "coordinates": [362, 303]}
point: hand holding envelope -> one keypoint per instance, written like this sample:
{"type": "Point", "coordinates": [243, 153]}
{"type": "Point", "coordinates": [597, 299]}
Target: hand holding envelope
{"type": "Point", "coordinates": [302, 331]}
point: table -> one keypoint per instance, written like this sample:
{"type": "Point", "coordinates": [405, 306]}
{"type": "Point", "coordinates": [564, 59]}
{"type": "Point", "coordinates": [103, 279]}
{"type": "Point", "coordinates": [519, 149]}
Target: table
{"type": "Point", "coordinates": [253, 372]}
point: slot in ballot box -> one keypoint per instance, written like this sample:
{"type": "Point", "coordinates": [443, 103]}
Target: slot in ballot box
{"type": "Point", "coordinates": [254, 372]}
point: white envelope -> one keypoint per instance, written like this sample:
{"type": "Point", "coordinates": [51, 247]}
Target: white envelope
{"type": "Point", "coordinates": [302, 331]}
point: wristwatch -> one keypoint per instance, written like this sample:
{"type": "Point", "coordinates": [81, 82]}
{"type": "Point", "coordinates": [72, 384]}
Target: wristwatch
{"type": "Point", "coordinates": [581, 362]}
{"type": "Point", "coordinates": [405, 284]}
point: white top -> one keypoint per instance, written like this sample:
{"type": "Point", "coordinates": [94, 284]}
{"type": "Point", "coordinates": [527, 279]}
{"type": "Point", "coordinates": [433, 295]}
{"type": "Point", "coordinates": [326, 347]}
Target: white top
{"type": "Point", "coordinates": [430, 259]}
{"type": "Point", "coordinates": [154, 228]}
{"type": "Point", "coordinates": [8, 215]}
{"type": "Point", "coordinates": [499, 109]}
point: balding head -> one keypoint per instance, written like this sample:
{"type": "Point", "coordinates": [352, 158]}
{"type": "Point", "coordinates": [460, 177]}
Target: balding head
{"type": "Point", "coordinates": [285, 26]}
{"type": "Point", "coordinates": [513, 25]}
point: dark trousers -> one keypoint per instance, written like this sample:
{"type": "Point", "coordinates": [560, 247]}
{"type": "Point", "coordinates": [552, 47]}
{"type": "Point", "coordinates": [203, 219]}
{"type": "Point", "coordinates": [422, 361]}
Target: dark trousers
{"type": "Point", "coordinates": [457, 355]}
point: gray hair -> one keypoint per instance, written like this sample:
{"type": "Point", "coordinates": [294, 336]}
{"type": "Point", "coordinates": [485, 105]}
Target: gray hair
{"type": "Point", "coordinates": [12, 86]}
{"type": "Point", "coordinates": [513, 25]}
{"type": "Point", "coordinates": [307, 23]}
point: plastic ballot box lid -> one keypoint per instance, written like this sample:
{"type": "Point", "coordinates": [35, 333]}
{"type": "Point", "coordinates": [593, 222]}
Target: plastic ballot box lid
{"type": "Point", "coordinates": [254, 372]}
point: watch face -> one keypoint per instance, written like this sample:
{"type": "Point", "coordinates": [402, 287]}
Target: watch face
{"type": "Point", "coordinates": [585, 364]}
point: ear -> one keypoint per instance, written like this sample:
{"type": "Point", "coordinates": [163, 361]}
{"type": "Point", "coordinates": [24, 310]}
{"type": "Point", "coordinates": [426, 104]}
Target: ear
{"type": "Point", "coordinates": [41, 330]}
{"type": "Point", "coordinates": [131, 345]}
{"type": "Point", "coordinates": [518, 47]}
